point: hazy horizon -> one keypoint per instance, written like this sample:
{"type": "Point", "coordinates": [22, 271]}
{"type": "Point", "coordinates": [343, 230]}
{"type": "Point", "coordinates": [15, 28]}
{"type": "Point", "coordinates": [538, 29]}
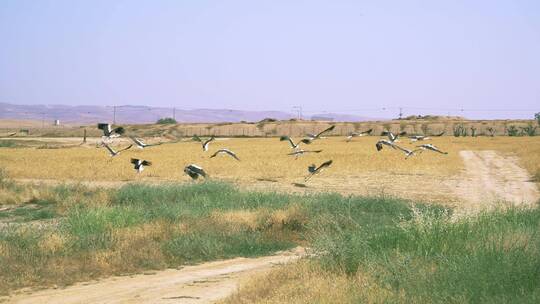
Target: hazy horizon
{"type": "Point", "coordinates": [366, 58]}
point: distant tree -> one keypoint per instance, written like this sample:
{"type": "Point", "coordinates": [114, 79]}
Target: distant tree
{"type": "Point", "coordinates": [537, 117]}
{"type": "Point", "coordinates": [166, 121]}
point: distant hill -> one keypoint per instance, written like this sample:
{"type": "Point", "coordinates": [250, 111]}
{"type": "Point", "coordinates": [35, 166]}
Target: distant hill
{"type": "Point", "coordinates": [143, 114]}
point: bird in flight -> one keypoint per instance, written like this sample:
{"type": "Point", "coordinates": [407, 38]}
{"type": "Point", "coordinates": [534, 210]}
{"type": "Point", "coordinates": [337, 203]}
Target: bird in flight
{"type": "Point", "coordinates": [381, 142]}
{"type": "Point", "coordinates": [316, 170]}
{"type": "Point", "coordinates": [432, 148]}
{"type": "Point", "coordinates": [225, 151]}
{"type": "Point", "coordinates": [114, 153]}
{"type": "Point", "coordinates": [298, 153]}
{"type": "Point", "coordinates": [194, 171]}
{"type": "Point", "coordinates": [294, 146]}
{"type": "Point", "coordinates": [319, 135]}
{"type": "Point", "coordinates": [141, 144]}
{"type": "Point", "coordinates": [138, 164]}
{"type": "Point", "coordinates": [109, 132]}
{"type": "Point", "coordinates": [408, 152]}
{"type": "Point", "coordinates": [438, 135]}
{"type": "Point", "coordinates": [206, 143]}
{"type": "Point", "coordinates": [414, 138]}
{"type": "Point", "coordinates": [393, 137]}
{"type": "Point", "coordinates": [358, 134]}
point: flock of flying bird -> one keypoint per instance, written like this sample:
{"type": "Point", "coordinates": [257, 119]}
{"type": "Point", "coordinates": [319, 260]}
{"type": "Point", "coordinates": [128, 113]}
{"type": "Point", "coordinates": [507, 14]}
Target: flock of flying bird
{"type": "Point", "coordinates": [196, 171]}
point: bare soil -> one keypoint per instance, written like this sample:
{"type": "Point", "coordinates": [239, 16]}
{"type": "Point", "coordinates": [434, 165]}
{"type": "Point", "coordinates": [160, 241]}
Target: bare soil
{"type": "Point", "coordinates": [205, 283]}
{"type": "Point", "coordinates": [490, 177]}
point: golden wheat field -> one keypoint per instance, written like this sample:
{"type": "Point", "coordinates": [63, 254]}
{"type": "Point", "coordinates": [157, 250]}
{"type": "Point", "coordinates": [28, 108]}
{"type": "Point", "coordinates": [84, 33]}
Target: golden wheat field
{"type": "Point", "coordinates": [357, 166]}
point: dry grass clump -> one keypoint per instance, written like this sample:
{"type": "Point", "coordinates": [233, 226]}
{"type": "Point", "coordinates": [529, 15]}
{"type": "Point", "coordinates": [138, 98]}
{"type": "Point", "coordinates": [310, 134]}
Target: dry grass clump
{"type": "Point", "coordinates": [292, 217]}
{"type": "Point", "coordinates": [308, 282]}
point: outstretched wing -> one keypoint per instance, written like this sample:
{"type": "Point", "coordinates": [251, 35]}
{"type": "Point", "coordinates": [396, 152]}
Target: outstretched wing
{"type": "Point", "coordinates": [137, 141]}
{"type": "Point", "coordinates": [134, 161]}
{"type": "Point", "coordinates": [119, 130]}
{"type": "Point", "coordinates": [146, 163]}
{"type": "Point", "coordinates": [126, 148]}
{"type": "Point", "coordinates": [306, 141]}
{"type": "Point", "coordinates": [206, 143]}
{"type": "Point", "coordinates": [282, 138]}
{"type": "Point", "coordinates": [437, 150]}
{"type": "Point", "coordinates": [109, 148]}
{"type": "Point", "coordinates": [324, 165]}
{"type": "Point", "coordinates": [197, 169]}
{"type": "Point", "coordinates": [326, 130]}
{"type": "Point", "coordinates": [367, 131]}
{"type": "Point", "coordinates": [105, 127]}
{"type": "Point", "coordinates": [402, 149]}
{"type": "Point", "coordinates": [440, 134]}
{"type": "Point", "coordinates": [231, 153]}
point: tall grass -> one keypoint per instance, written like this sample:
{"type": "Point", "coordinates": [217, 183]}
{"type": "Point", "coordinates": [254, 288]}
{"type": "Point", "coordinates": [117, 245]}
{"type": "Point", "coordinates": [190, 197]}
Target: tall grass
{"type": "Point", "coordinates": [431, 257]}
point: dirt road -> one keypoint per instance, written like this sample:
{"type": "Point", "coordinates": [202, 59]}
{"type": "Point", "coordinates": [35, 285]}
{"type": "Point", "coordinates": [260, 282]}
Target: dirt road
{"type": "Point", "coordinates": [490, 177]}
{"type": "Point", "coordinates": [203, 283]}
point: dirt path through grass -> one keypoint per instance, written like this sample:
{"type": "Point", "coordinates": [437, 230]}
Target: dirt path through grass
{"type": "Point", "coordinates": [204, 283]}
{"type": "Point", "coordinates": [491, 177]}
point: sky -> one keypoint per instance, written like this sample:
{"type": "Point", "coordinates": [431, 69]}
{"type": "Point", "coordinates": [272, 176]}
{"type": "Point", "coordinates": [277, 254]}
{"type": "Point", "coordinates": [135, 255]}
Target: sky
{"type": "Point", "coordinates": [479, 59]}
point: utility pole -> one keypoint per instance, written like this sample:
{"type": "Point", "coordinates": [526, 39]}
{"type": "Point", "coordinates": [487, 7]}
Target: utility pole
{"type": "Point", "coordinates": [298, 111]}
{"type": "Point", "coordinates": [400, 113]}
{"type": "Point", "coordinates": [174, 113]}
{"type": "Point", "coordinates": [114, 115]}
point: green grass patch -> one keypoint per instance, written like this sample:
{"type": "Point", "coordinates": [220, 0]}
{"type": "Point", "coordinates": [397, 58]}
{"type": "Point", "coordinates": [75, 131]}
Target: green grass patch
{"type": "Point", "coordinates": [433, 258]}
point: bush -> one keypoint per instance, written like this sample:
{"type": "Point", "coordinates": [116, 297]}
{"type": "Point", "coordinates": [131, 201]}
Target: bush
{"type": "Point", "coordinates": [529, 130]}
{"type": "Point", "coordinates": [460, 130]}
{"type": "Point", "coordinates": [512, 131]}
{"type": "Point", "coordinates": [166, 121]}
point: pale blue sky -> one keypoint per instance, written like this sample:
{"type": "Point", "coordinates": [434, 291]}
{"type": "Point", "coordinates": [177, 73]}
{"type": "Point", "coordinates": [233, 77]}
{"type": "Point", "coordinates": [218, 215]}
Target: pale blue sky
{"type": "Point", "coordinates": [338, 56]}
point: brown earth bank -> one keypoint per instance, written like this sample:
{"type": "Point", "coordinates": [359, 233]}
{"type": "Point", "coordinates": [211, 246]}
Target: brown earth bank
{"type": "Point", "coordinates": [275, 128]}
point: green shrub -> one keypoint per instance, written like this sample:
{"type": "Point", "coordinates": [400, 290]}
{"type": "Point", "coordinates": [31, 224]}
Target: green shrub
{"type": "Point", "coordinates": [166, 121]}
{"type": "Point", "coordinates": [512, 131]}
{"type": "Point", "coordinates": [529, 130]}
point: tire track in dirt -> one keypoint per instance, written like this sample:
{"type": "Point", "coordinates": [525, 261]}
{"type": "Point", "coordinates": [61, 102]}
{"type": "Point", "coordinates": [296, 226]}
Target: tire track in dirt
{"type": "Point", "coordinates": [204, 283]}
{"type": "Point", "coordinates": [490, 178]}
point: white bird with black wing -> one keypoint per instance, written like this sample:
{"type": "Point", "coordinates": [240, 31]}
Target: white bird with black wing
{"type": "Point", "coordinates": [393, 137]}
{"type": "Point", "coordinates": [381, 142]}
{"type": "Point", "coordinates": [414, 138]}
{"type": "Point", "coordinates": [317, 170]}
{"type": "Point", "coordinates": [319, 135]}
{"type": "Point", "coordinates": [141, 144]}
{"type": "Point", "coordinates": [295, 146]}
{"type": "Point", "coordinates": [408, 153]}
{"type": "Point", "coordinates": [206, 143]}
{"type": "Point", "coordinates": [431, 148]}
{"type": "Point", "coordinates": [195, 171]}
{"type": "Point", "coordinates": [298, 153]}
{"type": "Point", "coordinates": [227, 152]}
{"type": "Point", "coordinates": [138, 164]}
{"type": "Point", "coordinates": [358, 134]}
{"type": "Point", "coordinates": [109, 132]}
